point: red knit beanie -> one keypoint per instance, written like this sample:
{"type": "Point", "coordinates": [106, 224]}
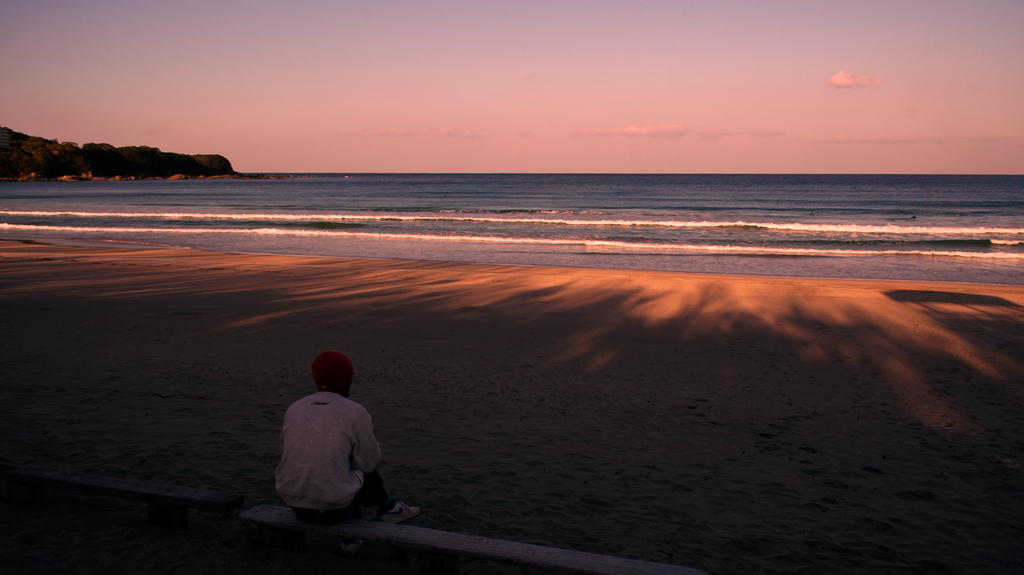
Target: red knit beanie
{"type": "Point", "coordinates": [331, 368]}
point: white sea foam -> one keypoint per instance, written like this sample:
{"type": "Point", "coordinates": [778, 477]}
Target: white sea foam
{"type": "Point", "coordinates": [891, 229]}
{"type": "Point", "coordinates": [704, 248]}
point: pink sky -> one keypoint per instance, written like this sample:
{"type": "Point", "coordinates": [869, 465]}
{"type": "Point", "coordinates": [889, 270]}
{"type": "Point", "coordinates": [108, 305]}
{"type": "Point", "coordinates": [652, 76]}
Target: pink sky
{"type": "Point", "coordinates": [476, 86]}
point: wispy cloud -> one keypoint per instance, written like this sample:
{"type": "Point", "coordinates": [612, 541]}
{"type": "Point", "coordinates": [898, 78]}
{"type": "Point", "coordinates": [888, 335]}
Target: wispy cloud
{"type": "Point", "coordinates": [713, 136]}
{"type": "Point", "coordinates": [766, 133]}
{"type": "Point", "coordinates": [666, 132]}
{"type": "Point", "coordinates": [457, 133]}
{"type": "Point", "coordinates": [845, 79]}
{"type": "Point", "coordinates": [386, 133]}
{"type": "Point", "coordinates": [843, 138]}
{"type": "Point", "coordinates": [403, 133]}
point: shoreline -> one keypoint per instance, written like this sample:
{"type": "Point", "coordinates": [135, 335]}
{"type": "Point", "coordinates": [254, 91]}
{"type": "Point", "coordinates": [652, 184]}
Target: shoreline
{"type": "Point", "coordinates": [726, 423]}
{"type": "Point", "coordinates": [682, 223]}
{"type": "Point", "coordinates": [113, 244]}
{"type": "Point", "coordinates": [176, 177]}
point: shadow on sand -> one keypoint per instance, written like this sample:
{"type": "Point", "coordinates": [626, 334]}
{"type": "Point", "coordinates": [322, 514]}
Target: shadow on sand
{"type": "Point", "coordinates": [731, 424]}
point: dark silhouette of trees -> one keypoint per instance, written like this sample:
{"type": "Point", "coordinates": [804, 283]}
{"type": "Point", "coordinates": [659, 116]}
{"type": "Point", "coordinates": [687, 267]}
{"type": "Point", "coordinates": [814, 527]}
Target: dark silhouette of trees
{"type": "Point", "coordinates": [34, 157]}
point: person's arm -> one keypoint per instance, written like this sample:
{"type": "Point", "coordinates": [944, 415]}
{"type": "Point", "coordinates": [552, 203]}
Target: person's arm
{"type": "Point", "coordinates": [366, 450]}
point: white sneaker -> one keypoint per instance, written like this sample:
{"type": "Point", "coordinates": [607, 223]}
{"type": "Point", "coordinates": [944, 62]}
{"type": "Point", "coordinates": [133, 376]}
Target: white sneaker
{"type": "Point", "coordinates": [349, 547]}
{"type": "Point", "coordinates": [399, 513]}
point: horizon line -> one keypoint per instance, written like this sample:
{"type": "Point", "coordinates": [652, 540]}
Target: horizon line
{"type": "Point", "coordinates": [997, 174]}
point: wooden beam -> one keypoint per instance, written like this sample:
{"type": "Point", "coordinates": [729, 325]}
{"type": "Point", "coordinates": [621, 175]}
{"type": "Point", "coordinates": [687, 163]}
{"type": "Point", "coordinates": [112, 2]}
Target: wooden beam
{"type": "Point", "coordinates": [444, 542]}
{"type": "Point", "coordinates": [168, 495]}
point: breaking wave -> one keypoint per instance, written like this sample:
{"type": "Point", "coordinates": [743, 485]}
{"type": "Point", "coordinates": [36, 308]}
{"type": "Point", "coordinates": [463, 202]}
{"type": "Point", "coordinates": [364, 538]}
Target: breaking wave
{"type": "Point", "coordinates": [593, 243]}
{"type": "Point", "coordinates": [891, 229]}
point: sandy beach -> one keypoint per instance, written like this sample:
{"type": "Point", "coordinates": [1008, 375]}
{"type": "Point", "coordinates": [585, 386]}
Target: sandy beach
{"type": "Point", "coordinates": [732, 424]}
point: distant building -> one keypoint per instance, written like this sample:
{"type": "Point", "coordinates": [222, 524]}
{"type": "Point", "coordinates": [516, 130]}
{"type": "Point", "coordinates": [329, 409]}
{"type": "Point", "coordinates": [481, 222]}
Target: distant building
{"type": "Point", "coordinates": [5, 139]}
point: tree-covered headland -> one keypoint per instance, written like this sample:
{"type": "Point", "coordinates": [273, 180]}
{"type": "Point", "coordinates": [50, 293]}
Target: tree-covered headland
{"type": "Point", "coordinates": [35, 158]}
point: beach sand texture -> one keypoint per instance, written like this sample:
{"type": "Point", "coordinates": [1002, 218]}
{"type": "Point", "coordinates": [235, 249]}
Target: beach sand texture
{"type": "Point", "coordinates": [732, 424]}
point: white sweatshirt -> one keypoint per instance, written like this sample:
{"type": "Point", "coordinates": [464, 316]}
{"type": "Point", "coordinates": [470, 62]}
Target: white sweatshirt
{"type": "Point", "coordinates": [327, 444]}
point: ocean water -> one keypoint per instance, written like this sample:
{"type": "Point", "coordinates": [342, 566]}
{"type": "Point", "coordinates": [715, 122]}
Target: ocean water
{"type": "Point", "coordinates": [950, 228]}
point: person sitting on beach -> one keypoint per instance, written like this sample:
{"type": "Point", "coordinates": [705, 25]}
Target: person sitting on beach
{"type": "Point", "coordinates": [329, 455]}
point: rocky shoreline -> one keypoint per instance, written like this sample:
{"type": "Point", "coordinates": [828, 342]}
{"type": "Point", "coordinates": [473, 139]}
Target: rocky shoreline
{"type": "Point", "coordinates": [32, 158]}
{"type": "Point", "coordinates": [91, 178]}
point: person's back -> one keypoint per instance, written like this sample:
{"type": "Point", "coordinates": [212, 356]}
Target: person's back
{"type": "Point", "coordinates": [329, 455]}
{"type": "Point", "coordinates": [327, 447]}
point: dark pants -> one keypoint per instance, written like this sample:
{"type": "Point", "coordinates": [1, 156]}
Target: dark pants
{"type": "Point", "coordinates": [371, 495]}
